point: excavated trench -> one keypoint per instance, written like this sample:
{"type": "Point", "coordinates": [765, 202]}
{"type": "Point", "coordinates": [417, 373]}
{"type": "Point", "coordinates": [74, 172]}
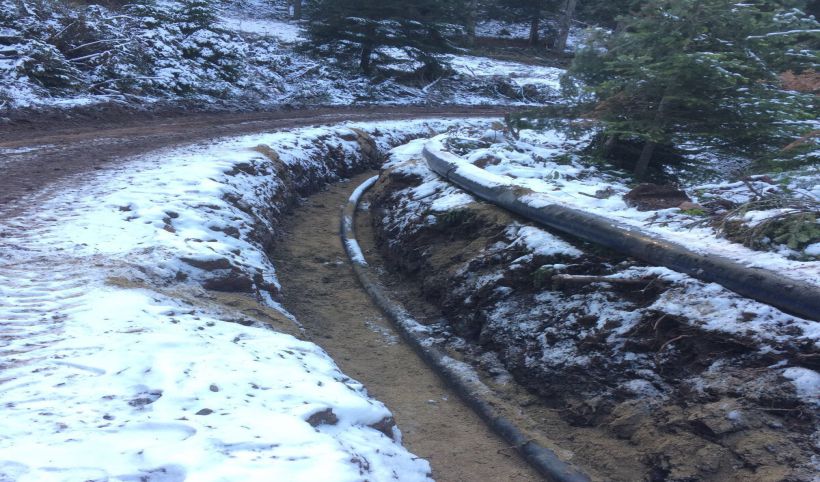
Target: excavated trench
{"type": "Point", "coordinates": [614, 440]}
{"type": "Point", "coordinates": [320, 288]}
{"type": "Point", "coordinates": [724, 414]}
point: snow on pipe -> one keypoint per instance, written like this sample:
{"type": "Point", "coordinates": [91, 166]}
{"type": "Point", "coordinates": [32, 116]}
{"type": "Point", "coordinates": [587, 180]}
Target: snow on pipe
{"type": "Point", "coordinates": [457, 374]}
{"type": "Point", "coordinates": [793, 296]}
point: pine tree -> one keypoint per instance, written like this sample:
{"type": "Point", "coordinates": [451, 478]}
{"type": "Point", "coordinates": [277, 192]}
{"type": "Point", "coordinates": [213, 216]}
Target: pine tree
{"type": "Point", "coordinates": [704, 69]}
{"type": "Point", "coordinates": [196, 15]}
{"type": "Point", "coordinates": [604, 13]}
{"type": "Point", "coordinates": [358, 28]}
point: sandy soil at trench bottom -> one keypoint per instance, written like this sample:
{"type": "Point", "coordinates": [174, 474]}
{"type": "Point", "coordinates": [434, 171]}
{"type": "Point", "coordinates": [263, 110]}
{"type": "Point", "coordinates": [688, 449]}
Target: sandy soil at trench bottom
{"type": "Point", "coordinates": [319, 287]}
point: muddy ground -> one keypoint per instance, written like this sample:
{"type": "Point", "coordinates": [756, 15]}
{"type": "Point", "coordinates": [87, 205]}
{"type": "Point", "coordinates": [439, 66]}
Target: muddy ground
{"type": "Point", "coordinates": [723, 415]}
{"type": "Point", "coordinates": [320, 288]}
{"type": "Point", "coordinates": [38, 150]}
{"type": "Point", "coordinates": [683, 405]}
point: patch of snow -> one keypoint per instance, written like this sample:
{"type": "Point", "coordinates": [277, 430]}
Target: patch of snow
{"type": "Point", "coordinates": [641, 387]}
{"type": "Point", "coordinates": [356, 252]}
{"type": "Point", "coordinates": [133, 384]}
{"type": "Point", "coordinates": [806, 382]}
{"type": "Point", "coordinates": [283, 31]}
{"type": "Point", "coordinates": [451, 202]}
{"type": "Point", "coordinates": [542, 243]}
{"type": "Point", "coordinates": [521, 74]}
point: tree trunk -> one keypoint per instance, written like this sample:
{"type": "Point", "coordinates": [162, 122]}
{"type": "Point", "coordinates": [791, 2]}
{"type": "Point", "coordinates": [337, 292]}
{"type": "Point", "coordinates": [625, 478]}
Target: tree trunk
{"type": "Point", "coordinates": [609, 145]}
{"type": "Point", "coordinates": [535, 25]}
{"type": "Point", "coordinates": [471, 21]}
{"type": "Point", "coordinates": [297, 9]}
{"type": "Point", "coordinates": [649, 147]}
{"type": "Point", "coordinates": [564, 26]}
{"type": "Point", "coordinates": [23, 7]}
{"type": "Point", "coordinates": [646, 156]}
{"type": "Point", "coordinates": [364, 61]}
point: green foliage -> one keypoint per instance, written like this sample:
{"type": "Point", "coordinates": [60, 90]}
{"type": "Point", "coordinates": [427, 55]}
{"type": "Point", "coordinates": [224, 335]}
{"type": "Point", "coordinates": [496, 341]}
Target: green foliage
{"type": "Point", "coordinates": [454, 218]}
{"type": "Point", "coordinates": [523, 10]}
{"type": "Point", "coordinates": [796, 232]}
{"type": "Point", "coordinates": [542, 277]}
{"type": "Point", "coordinates": [45, 65]}
{"type": "Point", "coordinates": [699, 70]}
{"type": "Point", "coordinates": [149, 14]}
{"type": "Point", "coordinates": [149, 47]}
{"type": "Point", "coordinates": [791, 219]}
{"type": "Point", "coordinates": [803, 153]}
{"type": "Point", "coordinates": [694, 212]}
{"type": "Point", "coordinates": [196, 15]}
{"type": "Point", "coordinates": [605, 13]}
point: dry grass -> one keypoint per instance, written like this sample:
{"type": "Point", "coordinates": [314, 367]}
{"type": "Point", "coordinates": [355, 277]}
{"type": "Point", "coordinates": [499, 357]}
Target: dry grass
{"type": "Point", "coordinates": [266, 151]}
{"type": "Point", "coordinates": [808, 81]}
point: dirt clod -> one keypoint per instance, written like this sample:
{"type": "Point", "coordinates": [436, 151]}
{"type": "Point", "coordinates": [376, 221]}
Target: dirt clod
{"type": "Point", "coordinates": [651, 197]}
{"type": "Point", "coordinates": [235, 281]}
{"type": "Point", "coordinates": [323, 417]}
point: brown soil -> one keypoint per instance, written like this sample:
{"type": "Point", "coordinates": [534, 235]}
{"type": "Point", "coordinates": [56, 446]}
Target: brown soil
{"type": "Point", "coordinates": [740, 422]}
{"type": "Point", "coordinates": [51, 149]}
{"type": "Point", "coordinates": [319, 287]}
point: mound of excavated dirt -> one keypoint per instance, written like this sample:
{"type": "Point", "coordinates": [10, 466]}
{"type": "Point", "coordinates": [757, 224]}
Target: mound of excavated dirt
{"type": "Point", "coordinates": [603, 341]}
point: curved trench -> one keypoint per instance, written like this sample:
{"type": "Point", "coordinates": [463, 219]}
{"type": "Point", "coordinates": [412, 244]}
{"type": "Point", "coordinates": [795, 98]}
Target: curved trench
{"type": "Point", "coordinates": [320, 288]}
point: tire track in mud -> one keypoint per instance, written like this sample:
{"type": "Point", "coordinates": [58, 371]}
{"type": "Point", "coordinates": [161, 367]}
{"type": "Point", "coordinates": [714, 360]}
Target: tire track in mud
{"type": "Point", "coordinates": [37, 292]}
{"type": "Point", "coordinates": [320, 288]}
{"type": "Point", "coordinates": [36, 154]}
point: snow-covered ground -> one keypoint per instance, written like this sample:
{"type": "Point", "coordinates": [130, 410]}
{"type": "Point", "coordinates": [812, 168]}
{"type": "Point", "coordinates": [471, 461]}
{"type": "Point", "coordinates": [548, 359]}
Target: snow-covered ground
{"type": "Point", "coordinates": [118, 365]}
{"type": "Point", "coordinates": [287, 32]}
{"type": "Point", "coordinates": [520, 74]}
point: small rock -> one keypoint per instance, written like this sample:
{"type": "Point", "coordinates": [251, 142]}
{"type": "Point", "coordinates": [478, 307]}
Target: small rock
{"type": "Point", "coordinates": [324, 417]}
{"type": "Point", "coordinates": [487, 160]}
{"type": "Point", "coordinates": [385, 426]}
{"type": "Point", "coordinates": [208, 264]}
{"type": "Point", "coordinates": [605, 193]}
{"type": "Point", "coordinates": [651, 197]}
{"type": "Point", "coordinates": [234, 281]}
{"type": "Point", "coordinates": [205, 411]}
{"type": "Point", "coordinates": [687, 205]}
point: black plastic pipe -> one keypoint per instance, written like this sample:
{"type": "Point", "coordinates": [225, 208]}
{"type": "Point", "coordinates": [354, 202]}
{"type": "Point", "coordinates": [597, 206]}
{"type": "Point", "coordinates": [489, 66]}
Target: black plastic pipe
{"type": "Point", "coordinates": [794, 296]}
{"type": "Point", "coordinates": [472, 390]}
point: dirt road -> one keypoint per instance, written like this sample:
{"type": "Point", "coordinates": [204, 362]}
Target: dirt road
{"type": "Point", "coordinates": [37, 153]}
{"type": "Point", "coordinates": [320, 288]}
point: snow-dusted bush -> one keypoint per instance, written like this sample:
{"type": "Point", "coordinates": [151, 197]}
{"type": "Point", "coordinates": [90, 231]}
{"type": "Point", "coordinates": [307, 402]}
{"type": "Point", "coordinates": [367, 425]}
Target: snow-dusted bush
{"type": "Point", "coordinates": [167, 49]}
